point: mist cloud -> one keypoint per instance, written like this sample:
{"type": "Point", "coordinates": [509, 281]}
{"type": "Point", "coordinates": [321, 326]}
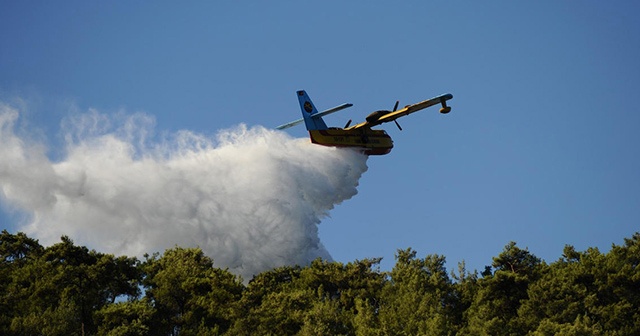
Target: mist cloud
{"type": "Point", "coordinates": [251, 198]}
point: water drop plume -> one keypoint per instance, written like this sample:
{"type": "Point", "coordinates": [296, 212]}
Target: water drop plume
{"type": "Point", "coordinates": [250, 197]}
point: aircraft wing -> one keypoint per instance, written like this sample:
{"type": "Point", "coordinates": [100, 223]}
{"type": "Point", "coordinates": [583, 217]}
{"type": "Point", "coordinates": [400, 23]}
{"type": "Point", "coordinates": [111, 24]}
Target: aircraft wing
{"type": "Point", "coordinates": [393, 115]}
{"type": "Point", "coordinates": [413, 108]}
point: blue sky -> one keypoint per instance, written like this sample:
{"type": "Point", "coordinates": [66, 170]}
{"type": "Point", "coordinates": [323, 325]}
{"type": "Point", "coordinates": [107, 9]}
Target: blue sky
{"type": "Point", "coordinates": [541, 146]}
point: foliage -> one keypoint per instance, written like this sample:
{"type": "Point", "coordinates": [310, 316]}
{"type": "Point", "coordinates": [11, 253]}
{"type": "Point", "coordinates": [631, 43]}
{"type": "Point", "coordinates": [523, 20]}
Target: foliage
{"type": "Point", "coordinates": [189, 295]}
{"type": "Point", "coordinates": [57, 290]}
{"type": "Point", "coordinates": [66, 289]}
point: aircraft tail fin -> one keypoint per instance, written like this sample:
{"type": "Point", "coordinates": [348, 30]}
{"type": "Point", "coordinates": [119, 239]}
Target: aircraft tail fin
{"type": "Point", "coordinates": [312, 120]}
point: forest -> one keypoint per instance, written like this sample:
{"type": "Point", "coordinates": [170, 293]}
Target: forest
{"type": "Point", "coordinates": [65, 289]}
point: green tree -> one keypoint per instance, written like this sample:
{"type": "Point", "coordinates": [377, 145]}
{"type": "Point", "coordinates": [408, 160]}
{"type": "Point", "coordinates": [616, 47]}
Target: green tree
{"type": "Point", "coordinates": [588, 291]}
{"type": "Point", "coordinates": [125, 318]}
{"type": "Point", "coordinates": [337, 289]}
{"type": "Point", "coordinates": [494, 310]}
{"type": "Point", "coordinates": [268, 306]}
{"type": "Point", "coordinates": [66, 289]}
{"type": "Point", "coordinates": [321, 298]}
{"type": "Point", "coordinates": [582, 326]}
{"type": "Point", "coordinates": [15, 252]}
{"type": "Point", "coordinates": [189, 295]}
{"type": "Point", "coordinates": [418, 299]}
{"type": "Point", "coordinates": [56, 291]}
{"type": "Point", "coordinates": [465, 289]}
{"type": "Point", "coordinates": [18, 249]}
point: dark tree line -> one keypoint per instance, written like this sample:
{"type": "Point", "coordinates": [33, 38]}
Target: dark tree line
{"type": "Point", "coordinates": [66, 289]}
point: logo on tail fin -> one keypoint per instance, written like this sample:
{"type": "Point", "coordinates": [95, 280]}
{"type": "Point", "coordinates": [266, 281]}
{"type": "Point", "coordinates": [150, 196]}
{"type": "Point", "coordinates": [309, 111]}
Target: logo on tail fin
{"type": "Point", "coordinates": [308, 107]}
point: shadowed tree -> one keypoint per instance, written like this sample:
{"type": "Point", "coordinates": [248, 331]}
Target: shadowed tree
{"type": "Point", "coordinates": [16, 251]}
{"type": "Point", "coordinates": [57, 292]}
{"type": "Point", "coordinates": [66, 289]}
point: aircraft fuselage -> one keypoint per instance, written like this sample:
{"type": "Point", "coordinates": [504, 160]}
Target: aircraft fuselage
{"type": "Point", "coordinates": [371, 142]}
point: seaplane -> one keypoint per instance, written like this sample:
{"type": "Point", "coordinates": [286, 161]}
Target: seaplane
{"type": "Point", "coordinates": [360, 136]}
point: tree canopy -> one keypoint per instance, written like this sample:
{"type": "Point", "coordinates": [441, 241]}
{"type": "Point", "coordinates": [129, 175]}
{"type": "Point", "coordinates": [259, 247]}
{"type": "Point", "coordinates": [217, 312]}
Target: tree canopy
{"type": "Point", "coordinates": [65, 289]}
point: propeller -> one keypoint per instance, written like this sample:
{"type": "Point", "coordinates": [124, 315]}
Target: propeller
{"type": "Point", "coordinates": [395, 107]}
{"type": "Point", "coordinates": [348, 123]}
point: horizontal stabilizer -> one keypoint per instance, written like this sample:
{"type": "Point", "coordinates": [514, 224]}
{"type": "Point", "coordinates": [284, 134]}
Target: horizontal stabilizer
{"type": "Point", "coordinates": [316, 115]}
{"type": "Point", "coordinates": [290, 124]}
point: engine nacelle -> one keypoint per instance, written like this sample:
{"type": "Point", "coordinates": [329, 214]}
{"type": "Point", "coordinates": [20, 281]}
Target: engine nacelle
{"type": "Point", "coordinates": [374, 116]}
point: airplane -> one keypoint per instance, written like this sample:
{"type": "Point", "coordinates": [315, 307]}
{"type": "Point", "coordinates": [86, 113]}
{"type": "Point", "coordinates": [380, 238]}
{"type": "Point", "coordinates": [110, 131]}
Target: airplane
{"type": "Point", "coordinates": [361, 136]}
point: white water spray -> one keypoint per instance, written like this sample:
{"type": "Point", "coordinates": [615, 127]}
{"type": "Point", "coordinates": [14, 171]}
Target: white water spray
{"type": "Point", "coordinates": [251, 198]}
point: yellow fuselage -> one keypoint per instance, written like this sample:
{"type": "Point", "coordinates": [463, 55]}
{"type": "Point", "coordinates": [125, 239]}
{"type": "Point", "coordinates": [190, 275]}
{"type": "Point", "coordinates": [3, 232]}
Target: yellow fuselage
{"type": "Point", "coordinates": [371, 142]}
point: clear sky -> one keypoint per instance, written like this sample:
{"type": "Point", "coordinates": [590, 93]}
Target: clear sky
{"type": "Point", "coordinates": [541, 147]}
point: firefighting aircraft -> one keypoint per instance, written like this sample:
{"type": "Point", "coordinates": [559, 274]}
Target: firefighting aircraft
{"type": "Point", "coordinates": [370, 141]}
